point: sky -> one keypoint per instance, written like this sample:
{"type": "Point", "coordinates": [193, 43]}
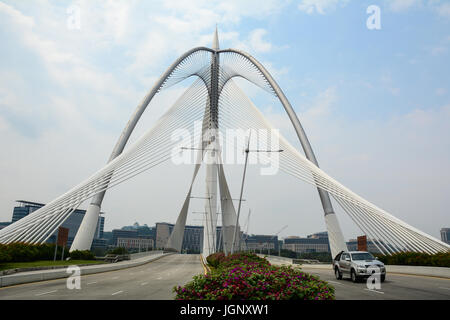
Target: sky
{"type": "Point", "coordinates": [375, 103]}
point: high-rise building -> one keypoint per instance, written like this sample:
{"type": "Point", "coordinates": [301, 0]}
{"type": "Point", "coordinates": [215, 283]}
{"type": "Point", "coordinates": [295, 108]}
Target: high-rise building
{"type": "Point", "coordinates": [4, 224]}
{"type": "Point", "coordinates": [445, 235]}
{"type": "Point", "coordinates": [192, 238]}
{"type": "Point", "coordinates": [72, 223]}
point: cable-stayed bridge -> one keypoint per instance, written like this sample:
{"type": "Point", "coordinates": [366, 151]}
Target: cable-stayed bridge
{"type": "Point", "coordinates": [217, 102]}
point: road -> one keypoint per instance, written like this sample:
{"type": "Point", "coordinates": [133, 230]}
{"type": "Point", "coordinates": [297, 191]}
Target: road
{"type": "Point", "coordinates": [152, 281]}
{"type": "Point", "coordinates": [396, 286]}
{"type": "Point", "coordinates": [155, 280]}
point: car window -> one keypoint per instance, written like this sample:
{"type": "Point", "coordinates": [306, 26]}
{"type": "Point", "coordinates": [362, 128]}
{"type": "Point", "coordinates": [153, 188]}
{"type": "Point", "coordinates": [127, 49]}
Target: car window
{"type": "Point", "coordinates": [343, 256]}
{"type": "Point", "coordinates": [362, 256]}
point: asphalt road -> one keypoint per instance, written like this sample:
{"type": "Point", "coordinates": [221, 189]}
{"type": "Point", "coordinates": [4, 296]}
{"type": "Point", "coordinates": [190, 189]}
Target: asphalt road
{"type": "Point", "coordinates": [395, 287]}
{"type": "Point", "coordinates": [152, 281]}
{"type": "Point", "coordinates": [156, 279]}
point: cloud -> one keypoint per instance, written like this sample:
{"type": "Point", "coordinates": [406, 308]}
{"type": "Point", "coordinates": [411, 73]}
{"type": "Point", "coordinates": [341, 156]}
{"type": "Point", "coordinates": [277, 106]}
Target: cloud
{"type": "Point", "coordinates": [443, 10]}
{"type": "Point", "coordinates": [402, 5]}
{"type": "Point", "coordinates": [257, 42]}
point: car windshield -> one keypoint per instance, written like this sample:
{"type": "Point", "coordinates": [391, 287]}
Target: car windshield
{"type": "Point", "coordinates": [362, 256]}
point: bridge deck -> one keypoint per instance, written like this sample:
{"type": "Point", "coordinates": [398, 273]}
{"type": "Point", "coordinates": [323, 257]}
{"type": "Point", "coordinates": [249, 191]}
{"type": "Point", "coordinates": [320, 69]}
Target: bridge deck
{"type": "Point", "coordinates": [153, 281]}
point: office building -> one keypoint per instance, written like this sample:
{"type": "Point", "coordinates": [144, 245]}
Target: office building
{"type": "Point", "coordinates": [445, 235]}
{"type": "Point", "coordinates": [141, 244]}
{"type": "Point", "coordinates": [4, 224]}
{"type": "Point", "coordinates": [261, 242]}
{"type": "Point", "coordinates": [72, 223]}
{"type": "Point", "coordinates": [307, 245]}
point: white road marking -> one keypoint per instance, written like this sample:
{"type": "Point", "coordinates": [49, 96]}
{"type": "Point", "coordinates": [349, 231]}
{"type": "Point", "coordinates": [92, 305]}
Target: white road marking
{"type": "Point", "coordinates": [381, 292]}
{"type": "Point", "coordinates": [116, 293]}
{"type": "Point", "coordinates": [143, 283]}
{"type": "Point", "coordinates": [40, 294]}
{"type": "Point", "coordinates": [115, 278]}
{"type": "Point", "coordinates": [444, 288]}
{"type": "Point", "coordinates": [159, 278]}
{"type": "Point", "coordinates": [92, 282]}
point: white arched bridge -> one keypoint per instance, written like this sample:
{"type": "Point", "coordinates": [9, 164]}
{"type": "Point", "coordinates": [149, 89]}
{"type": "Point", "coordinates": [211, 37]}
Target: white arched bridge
{"type": "Point", "coordinates": [215, 100]}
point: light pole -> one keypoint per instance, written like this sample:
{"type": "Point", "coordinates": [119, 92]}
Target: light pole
{"type": "Point", "coordinates": [247, 151]}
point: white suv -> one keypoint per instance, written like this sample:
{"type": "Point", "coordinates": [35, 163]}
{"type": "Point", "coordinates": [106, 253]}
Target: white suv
{"type": "Point", "coordinates": [357, 265]}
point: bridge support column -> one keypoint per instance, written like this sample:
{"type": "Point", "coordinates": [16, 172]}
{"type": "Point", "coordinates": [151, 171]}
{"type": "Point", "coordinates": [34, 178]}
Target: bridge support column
{"type": "Point", "coordinates": [86, 232]}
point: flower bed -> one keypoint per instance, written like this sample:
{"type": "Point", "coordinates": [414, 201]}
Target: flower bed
{"type": "Point", "coordinates": [246, 276]}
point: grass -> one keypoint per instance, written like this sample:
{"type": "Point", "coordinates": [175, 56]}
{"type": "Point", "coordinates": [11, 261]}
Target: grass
{"type": "Point", "coordinates": [45, 263]}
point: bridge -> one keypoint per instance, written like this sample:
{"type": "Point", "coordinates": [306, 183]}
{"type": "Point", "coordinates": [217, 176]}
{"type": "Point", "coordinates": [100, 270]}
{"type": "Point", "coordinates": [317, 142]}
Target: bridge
{"type": "Point", "coordinates": [155, 280]}
{"type": "Point", "coordinates": [216, 102]}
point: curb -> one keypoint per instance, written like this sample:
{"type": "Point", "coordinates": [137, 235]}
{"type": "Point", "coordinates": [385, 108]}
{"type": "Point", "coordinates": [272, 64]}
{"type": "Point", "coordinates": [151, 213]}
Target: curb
{"type": "Point", "coordinates": [52, 274]}
{"type": "Point", "coordinates": [206, 270]}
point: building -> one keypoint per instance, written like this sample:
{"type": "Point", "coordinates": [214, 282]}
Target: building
{"type": "Point", "coordinates": [142, 231]}
{"type": "Point", "coordinates": [72, 223]}
{"type": "Point", "coordinates": [135, 243]}
{"type": "Point", "coordinates": [445, 235]}
{"type": "Point", "coordinates": [307, 245]}
{"type": "Point", "coordinates": [192, 238]}
{"type": "Point", "coordinates": [318, 235]}
{"type": "Point", "coordinates": [261, 242]}
{"type": "Point", "coordinates": [123, 234]}
{"type": "Point", "coordinates": [352, 245]}
{"type": "Point", "coordinates": [4, 224]}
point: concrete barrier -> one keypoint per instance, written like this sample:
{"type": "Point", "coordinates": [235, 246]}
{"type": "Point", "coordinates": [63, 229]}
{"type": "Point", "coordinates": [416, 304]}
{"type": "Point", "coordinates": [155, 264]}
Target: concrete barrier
{"type": "Point", "coordinates": [409, 270]}
{"type": "Point", "coordinates": [42, 275]}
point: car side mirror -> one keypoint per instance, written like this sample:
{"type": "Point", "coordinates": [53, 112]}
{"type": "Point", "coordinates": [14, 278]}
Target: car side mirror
{"type": "Point", "coordinates": [347, 259]}
{"type": "Point", "coordinates": [376, 258]}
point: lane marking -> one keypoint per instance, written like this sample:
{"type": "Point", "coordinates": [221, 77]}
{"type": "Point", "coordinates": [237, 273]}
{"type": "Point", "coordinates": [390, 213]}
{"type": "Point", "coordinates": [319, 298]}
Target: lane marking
{"type": "Point", "coordinates": [115, 278]}
{"type": "Point", "coordinates": [143, 283]}
{"type": "Point", "coordinates": [444, 288]}
{"type": "Point", "coordinates": [92, 282]}
{"type": "Point", "coordinates": [159, 278]}
{"type": "Point", "coordinates": [381, 292]}
{"type": "Point", "coordinates": [41, 294]}
{"type": "Point", "coordinates": [117, 293]}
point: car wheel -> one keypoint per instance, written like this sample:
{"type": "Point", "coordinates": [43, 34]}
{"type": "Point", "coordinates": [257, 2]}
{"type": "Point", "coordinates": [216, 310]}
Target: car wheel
{"type": "Point", "coordinates": [337, 274]}
{"type": "Point", "coordinates": [383, 277]}
{"type": "Point", "coordinates": [354, 277]}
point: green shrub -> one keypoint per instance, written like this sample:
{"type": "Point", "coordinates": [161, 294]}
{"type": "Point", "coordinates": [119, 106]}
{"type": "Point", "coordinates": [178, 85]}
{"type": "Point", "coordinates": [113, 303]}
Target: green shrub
{"type": "Point", "coordinates": [82, 255]}
{"type": "Point", "coordinates": [25, 252]}
{"type": "Point", "coordinates": [214, 259]}
{"type": "Point", "coordinates": [4, 255]}
{"type": "Point", "coordinates": [248, 277]}
{"type": "Point", "coordinates": [441, 259]}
